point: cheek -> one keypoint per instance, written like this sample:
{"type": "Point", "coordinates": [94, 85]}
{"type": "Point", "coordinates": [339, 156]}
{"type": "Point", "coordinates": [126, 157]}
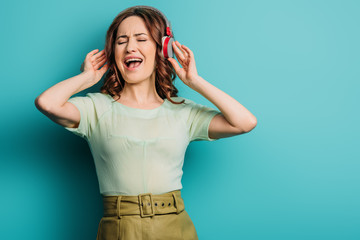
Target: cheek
{"type": "Point", "coordinates": [152, 56]}
{"type": "Point", "coordinates": [118, 58]}
{"type": "Point", "coordinates": [151, 51]}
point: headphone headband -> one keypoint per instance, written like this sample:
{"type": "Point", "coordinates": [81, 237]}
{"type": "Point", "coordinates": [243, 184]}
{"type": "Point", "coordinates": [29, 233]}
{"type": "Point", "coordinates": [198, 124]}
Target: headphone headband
{"type": "Point", "coordinates": [168, 26]}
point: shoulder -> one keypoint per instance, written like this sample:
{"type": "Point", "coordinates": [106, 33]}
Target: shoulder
{"type": "Point", "coordinates": [186, 109]}
{"type": "Point", "coordinates": [187, 102]}
{"type": "Point", "coordinates": [100, 98]}
{"type": "Point", "coordinates": [101, 101]}
{"type": "Point", "coordinates": [188, 105]}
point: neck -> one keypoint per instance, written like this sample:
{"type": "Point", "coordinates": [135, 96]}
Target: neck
{"type": "Point", "coordinates": [141, 93]}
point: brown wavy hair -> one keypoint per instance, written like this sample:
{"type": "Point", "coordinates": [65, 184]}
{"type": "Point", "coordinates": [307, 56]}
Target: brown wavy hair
{"type": "Point", "coordinates": [165, 72]}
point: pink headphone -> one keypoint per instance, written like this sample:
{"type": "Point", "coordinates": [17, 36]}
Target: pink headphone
{"type": "Point", "coordinates": [168, 39]}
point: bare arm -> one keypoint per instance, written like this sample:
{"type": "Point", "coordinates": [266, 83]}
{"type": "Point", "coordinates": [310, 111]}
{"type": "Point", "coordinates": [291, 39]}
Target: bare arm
{"type": "Point", "coordinates": [234, 119]}
{"type": "Point", "coordinates": [53, 101]}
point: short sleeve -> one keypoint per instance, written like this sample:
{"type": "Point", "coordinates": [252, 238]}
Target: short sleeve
{"type": "Point", "coordinates": [88, 119]}
{"type": "Point", "coordinates": [199, 120]}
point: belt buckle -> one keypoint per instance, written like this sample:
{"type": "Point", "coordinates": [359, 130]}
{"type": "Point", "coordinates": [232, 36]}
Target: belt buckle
{"type": "Point", "coordinates": [141, 203]}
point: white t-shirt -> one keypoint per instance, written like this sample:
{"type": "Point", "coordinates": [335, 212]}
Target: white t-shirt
{"type": "Point", "coordinates": [140, 150]}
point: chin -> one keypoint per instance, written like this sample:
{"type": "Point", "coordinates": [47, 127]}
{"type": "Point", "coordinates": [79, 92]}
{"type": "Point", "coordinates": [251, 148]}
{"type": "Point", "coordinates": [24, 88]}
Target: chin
{"type": "Point", "coordinates": [137, 77]}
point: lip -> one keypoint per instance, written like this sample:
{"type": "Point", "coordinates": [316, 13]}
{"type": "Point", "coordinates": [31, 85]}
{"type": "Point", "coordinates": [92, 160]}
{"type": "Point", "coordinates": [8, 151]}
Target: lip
{"type": "Point", "coordinates": [126, 58]}
{"type": "Point", "coordinates": [132, 69]}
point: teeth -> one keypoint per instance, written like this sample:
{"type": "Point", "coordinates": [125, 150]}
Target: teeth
{"type": "Point", "coordinates": [133, 59]}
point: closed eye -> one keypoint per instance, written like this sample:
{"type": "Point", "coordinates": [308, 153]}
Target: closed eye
{"type": "Point", "coordinates": [125, 42]}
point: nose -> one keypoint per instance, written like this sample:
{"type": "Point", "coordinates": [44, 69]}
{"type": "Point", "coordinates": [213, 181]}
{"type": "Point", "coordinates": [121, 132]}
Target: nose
{"type": "Point", "coordinates": [131, 45]}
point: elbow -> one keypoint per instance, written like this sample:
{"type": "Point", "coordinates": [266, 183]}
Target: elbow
{"type": "Point", "coordinates": [40, 105]}
{"type": "Point", "coordinates": [37, 102]}
{"type": "Point", "coordinates": [251, 126]}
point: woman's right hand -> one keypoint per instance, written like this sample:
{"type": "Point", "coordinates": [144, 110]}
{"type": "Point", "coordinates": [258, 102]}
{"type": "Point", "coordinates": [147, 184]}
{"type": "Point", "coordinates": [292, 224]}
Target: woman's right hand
{"type": "Point", "coordinates": [93, 61]}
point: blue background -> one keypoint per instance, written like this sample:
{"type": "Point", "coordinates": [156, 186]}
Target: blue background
{"type": "Point", "coordinates": [293, 64]}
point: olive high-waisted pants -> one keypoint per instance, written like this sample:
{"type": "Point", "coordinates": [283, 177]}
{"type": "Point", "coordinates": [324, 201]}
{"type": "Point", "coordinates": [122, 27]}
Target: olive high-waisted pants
{"type": "Point", "coordinates": [146, 216]}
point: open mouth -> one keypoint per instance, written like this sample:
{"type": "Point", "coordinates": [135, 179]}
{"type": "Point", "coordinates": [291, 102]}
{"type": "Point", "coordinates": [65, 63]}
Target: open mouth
{"type": "Point", "coordinates": [133, 63]}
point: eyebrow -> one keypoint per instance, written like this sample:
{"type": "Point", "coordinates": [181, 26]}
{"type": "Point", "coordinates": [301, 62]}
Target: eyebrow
{"type": "Point", "coordinates": [125, 36]}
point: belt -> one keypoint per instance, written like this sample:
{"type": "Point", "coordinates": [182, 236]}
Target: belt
{"type": "Point", "coordinates": [145, 204]}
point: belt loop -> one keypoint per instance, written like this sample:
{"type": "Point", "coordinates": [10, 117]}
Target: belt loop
{"type": "Point", "coordinates": [118, 206]}
{"type": "Point", "coordinates": [176, 203]}
{"type": "Point", "coordinates": [141, 205]}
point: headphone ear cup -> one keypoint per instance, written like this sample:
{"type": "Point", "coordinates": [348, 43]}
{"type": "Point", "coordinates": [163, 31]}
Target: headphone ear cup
{"type": "Point", "coordinates": [167, 49]}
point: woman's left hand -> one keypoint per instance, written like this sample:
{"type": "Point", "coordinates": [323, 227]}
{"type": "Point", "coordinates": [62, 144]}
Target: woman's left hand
{"type": "Point", "coordinates": [185, 56]}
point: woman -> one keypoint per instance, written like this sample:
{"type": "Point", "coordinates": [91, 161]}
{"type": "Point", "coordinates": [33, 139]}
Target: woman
{"type": "Point", "coordinates": [137, 127]}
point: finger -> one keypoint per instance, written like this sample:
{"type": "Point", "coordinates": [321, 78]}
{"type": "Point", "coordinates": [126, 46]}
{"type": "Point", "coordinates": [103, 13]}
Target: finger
{"type": "Point", "coordinates": [174, 64]}
{"type": "Point", "coordinates": [185, 52]}
{"type": "Point", "coordinates": [92, 53]}
{"type": "Point", "coordinates": [182, 49]}
{"type": "Point", "coordinates": [101, 53]}
{"type": "Point", "coordinates": [96, 58]}
{"type": "Point", "coordinates": [178, 52]}
{"type": "Point", "coordinates": [99, 64]}
{"type": "Point", "coordinates": [98, 55]}
{"type": "Point", "coordinates": [191, 54]}
{"type": "Point", "coordinates": [100, 58]}
{"type": "Point", "coordinates": [105, 68]}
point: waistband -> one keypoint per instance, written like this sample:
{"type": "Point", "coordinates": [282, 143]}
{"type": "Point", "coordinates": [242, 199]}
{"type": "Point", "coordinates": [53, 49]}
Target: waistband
{"type": "Point", "coordinates": [145, 204]}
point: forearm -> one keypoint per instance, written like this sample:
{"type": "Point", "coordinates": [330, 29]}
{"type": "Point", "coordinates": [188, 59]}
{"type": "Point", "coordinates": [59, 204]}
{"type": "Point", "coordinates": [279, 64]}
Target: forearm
{"type": "Point", "coordinates": [58, 94]}
{"type": "Point", "coordinates": [235, 113]}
